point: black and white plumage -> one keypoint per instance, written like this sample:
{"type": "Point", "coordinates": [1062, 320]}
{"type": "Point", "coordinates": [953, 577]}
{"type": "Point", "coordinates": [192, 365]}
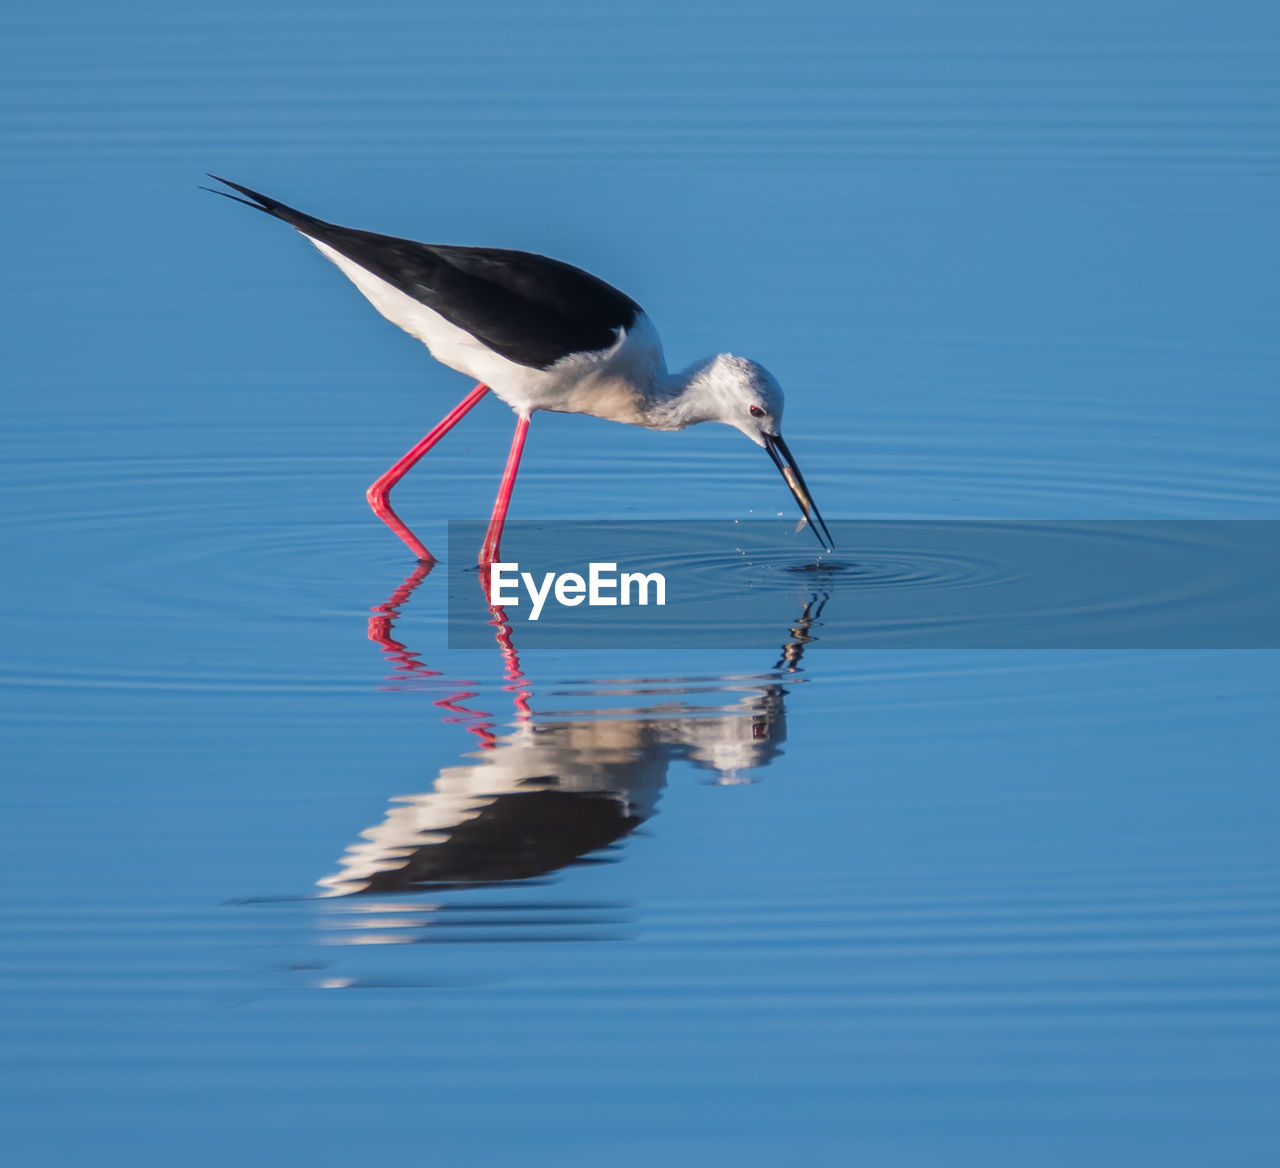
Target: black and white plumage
{"type": "Point", "coordinates": [544, 335]}
{"type": "Point", "coordinates": [530, 309]}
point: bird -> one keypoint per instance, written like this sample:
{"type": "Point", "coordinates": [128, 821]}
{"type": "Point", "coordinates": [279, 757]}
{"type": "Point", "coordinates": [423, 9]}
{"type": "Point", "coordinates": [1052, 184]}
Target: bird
{"type": "Point", "coordinates": [540, 334]}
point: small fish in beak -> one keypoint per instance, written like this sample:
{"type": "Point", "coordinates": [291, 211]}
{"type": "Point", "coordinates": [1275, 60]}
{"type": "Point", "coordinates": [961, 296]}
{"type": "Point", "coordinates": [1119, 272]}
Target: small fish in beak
{"type": "Point", "coordinates": [785, 461]}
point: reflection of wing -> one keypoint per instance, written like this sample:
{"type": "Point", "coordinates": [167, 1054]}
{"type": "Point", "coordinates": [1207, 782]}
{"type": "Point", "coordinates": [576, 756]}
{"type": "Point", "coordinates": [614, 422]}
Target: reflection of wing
{"type": "Point", "coordinates": [549, 793]}
{"type": "Point", "coordinates": [543, 796]}
{"type": "Point", "coordinates": [509, 837]}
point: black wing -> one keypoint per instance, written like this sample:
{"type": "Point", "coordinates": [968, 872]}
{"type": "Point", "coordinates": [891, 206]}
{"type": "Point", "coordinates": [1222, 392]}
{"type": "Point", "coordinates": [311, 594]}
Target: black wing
{"type": "Point", "coordinates": [530, 309]}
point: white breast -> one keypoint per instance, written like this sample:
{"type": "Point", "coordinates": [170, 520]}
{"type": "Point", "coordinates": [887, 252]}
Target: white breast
{"type": "Point", "coordinates": [610, 383]}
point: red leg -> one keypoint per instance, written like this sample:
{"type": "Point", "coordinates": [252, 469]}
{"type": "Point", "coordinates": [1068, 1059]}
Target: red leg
{"type": "Point", "coordinates": [493, 537]}
{"type": "Point", "coordinates": [379, 494]}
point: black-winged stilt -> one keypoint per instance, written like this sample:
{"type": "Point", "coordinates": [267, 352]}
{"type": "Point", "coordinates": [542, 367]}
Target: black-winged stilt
{"type": "Point", "coordinates": [543, 335]}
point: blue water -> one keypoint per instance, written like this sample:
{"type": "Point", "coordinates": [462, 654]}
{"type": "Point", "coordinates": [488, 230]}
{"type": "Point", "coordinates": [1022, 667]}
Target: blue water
{"type": "Point", "coordinates": [778, 906]}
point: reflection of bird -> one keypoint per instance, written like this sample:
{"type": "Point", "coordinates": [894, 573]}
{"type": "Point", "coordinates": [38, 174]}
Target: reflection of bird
{"type": "Point", "coordinates": [556, 788]}
{"type": "Point", "coordinates": [550, 792]}
{"type": "Point", "coordinates": [544, 336]}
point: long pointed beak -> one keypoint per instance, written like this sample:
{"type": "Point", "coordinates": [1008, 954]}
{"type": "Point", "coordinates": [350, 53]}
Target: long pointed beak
{"type": "Point", "coordinates": [785, 461]}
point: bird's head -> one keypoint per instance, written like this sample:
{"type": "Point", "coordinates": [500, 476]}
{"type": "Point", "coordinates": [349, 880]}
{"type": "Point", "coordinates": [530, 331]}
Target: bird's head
{"type": "Point", "coordinates": [743, 394]}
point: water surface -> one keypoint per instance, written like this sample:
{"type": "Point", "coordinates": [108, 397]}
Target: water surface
{"type": "Point", "coordinates": [784, 903]}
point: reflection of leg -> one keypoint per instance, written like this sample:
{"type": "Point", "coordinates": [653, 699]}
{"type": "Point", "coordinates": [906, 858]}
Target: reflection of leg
{"type": "Point", "coordinates": [406, 661]}
{"type": "Point", "coordinates": [410, 668]}
{"type": "Point", "coordinates": [477, 722]}
{"type": "Point", "coordinates": [493, 537]}
{"type": "Point", "coordinates": [513, 674]}
{"type": "Point", "coordinates": [379, 494]}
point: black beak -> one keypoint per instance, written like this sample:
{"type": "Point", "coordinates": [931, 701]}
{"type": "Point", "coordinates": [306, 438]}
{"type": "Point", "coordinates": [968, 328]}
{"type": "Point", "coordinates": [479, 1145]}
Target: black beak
{"type": "Point", "coordinates": [786, 463]}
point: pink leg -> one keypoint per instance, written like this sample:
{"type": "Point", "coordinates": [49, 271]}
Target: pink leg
{"type": "Point", "coordinates": [493, 537]}
{"type": "Point", "coordinates": [379, 494]}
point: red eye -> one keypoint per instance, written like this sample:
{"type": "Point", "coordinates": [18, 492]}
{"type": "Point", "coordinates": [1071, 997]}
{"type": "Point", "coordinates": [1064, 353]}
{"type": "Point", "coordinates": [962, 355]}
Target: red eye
{"type": "Point", "coordinates": [757, 412]}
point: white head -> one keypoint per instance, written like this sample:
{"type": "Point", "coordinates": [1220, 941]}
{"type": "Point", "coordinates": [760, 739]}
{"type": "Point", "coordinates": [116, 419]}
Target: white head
{"type": "Point", "coordinates": [742, 394]}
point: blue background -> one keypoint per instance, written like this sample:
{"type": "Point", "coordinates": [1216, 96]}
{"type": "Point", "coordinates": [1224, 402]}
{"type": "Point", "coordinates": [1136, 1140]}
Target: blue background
{"type": "Point", "coordinates": [1009, 261]}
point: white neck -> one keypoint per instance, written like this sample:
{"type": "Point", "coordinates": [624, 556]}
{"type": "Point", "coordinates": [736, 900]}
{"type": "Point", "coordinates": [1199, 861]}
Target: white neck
{"type": "Point", "coordinates": [630, 383]}
{"type": "Point", "coordinates": [676, 400]}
